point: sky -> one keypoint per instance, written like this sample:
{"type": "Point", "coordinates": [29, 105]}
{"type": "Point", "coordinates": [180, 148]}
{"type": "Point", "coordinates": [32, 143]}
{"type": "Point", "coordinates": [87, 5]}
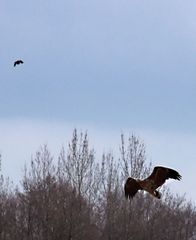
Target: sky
{"type": "Point", "coordinates": [105, 66]}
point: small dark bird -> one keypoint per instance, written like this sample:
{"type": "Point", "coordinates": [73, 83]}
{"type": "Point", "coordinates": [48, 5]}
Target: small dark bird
{"type": "Point", "coordinates": [18, 62]}
{"type": "Point", "coordinates": [151, 183]}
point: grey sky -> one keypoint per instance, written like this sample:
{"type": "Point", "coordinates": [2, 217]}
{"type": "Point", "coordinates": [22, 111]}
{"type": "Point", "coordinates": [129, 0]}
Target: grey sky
{"type": "Point", "coordinates": [110, 66]}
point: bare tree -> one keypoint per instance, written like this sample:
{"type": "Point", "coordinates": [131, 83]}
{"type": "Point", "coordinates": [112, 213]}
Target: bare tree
{"type": "Point", "coordinates": [79, 169]}
{"type": "Point", "coordinates": [133, 158]}
{"type": "Point", "coordinates": [78, 198]}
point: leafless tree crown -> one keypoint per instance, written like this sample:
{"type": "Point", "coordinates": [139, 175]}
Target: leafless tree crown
{"type": "Point", "coordinates": [80, 197]}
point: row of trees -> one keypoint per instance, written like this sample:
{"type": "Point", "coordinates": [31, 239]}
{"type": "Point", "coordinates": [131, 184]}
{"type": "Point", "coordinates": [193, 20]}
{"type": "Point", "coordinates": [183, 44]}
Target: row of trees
{"type": "Point", "coordinates": [77, 197]}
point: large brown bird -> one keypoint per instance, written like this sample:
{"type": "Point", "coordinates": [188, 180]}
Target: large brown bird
{"type": "Point", "coordinates": [17, 62]}
{"type": "Point", "coordinates": [151, 183]}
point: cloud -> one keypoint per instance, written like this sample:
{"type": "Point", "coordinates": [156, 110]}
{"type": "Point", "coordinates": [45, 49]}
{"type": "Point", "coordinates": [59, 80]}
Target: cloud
{"type": "Point", "coordinates": [21, 138]}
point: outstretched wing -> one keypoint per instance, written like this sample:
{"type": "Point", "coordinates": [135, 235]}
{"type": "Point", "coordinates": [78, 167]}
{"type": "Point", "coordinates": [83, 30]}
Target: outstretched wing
{"type": "Point", "coordinates": [161, 174]}
{"type": "Point", "coordinates": [18, 62]}
{"type": "Point", "coordinates": [131, 187]}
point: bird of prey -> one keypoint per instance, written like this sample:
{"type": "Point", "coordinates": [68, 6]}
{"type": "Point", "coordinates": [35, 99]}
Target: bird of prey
{"type": "Point", "coordinates": [17, 62]}
{"type": "Point", "coordinates": [151, 183]}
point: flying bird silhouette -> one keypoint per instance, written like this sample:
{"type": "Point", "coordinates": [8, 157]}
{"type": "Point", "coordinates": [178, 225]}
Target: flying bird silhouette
{"type": "Point", "coordinates": [151, 183]}
{"type": "Point", "coordinates": [17, 62]}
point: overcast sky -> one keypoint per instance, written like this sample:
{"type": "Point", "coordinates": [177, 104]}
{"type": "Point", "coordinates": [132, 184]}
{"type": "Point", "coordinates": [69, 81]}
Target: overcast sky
{"type": "Point", "coordinates": [106, 66]}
